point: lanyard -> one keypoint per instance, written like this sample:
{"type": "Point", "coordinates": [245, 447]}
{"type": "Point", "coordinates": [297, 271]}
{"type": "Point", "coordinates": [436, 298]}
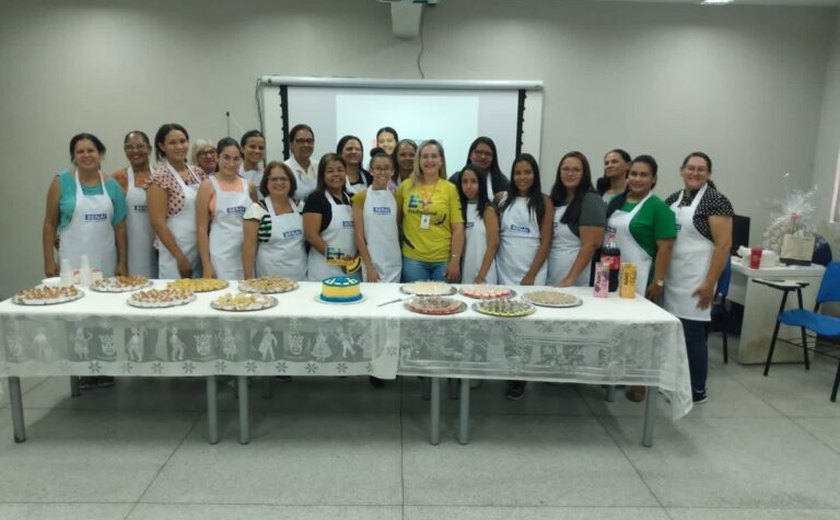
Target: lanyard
{"type": "Point", "coordinates": [427, 198]}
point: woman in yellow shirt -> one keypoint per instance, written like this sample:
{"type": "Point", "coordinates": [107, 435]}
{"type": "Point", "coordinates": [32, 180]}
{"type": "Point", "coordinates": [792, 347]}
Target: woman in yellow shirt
{"type": "Point", "coordinates": [431, 220]}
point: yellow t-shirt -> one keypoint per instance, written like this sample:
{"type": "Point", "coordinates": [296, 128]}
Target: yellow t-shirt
{"type": "Point", "coordinates": [444, 209]}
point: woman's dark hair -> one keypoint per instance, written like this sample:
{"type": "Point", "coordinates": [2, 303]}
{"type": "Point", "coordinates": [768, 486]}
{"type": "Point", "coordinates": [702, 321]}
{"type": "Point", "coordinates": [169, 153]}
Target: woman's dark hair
{"type": "Point", "coordinates": [603, 184]}
{"type": "Point", "coordinates": [536, 204]}
{"type": "Point", "coordinates": [379, 153]}
{"type": "Point", "coordinates": [390, 131]}
{"type": "Point", "coordinates": [224, 142]}
{"type": "Point", "coordinates": [558, 191]}
{"type": "Point", "coordinates": [621, 198]}
{"type": "Point", "coordinates": [483, 199]}
{"type": "Point", "coordinates": [343, 142]}
{"type": "Point", "coordinates": [90, 137]}
{"type": "Point", "coordinates": [706, 158]}
{"type": "Point", "coordinates": [249, 134]}
{"type": "Point", "coordinates": [297, 128]}
{"type": "Point", "coordinates": [142, 135]}
{"type": "Point", "coordinates": [163, 131]}
{"type": "Point", "coordinates": [494, 170]}
{"type": "Point", "coordinates": [267, 172]}
{"type": "Point", "coordinates": [322, 169]}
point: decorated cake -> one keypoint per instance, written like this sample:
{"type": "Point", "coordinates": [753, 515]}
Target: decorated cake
{"type": "Point", "coordinates": [341, 289]}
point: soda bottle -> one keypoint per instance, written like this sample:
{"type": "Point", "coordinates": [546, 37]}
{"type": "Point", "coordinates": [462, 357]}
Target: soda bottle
{"type": "Point", "coordinates": [611, 257]}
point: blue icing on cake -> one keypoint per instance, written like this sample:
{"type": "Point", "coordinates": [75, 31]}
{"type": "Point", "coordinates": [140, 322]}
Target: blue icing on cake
{"type": "Point", "coordinates": [341, 289]}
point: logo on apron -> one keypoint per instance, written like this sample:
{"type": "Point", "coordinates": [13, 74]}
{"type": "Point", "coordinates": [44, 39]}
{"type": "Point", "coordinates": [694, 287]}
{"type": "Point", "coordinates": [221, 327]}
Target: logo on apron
{"type": "Point", "coordinates": [95, 217]}
{"type": "Point", "coordinates": [292, 233]}
{"type": "Point", "coordinates": [347, 224]}
{"type": "Point", "coordinates": [141, 208]}
{"type": "Point", "coordinates": [469, 225]}
{"type": "Point", "coordinates": [236, 210]}
{"type": "Point", "coordinates": [381, 210]}
{"type": "Point", "coordinates": [520, 229]}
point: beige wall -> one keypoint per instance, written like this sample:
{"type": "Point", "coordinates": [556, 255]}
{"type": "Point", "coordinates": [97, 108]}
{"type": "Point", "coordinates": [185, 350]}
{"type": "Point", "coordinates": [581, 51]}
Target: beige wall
{"type": "Point", "coordinates": [743, 83]}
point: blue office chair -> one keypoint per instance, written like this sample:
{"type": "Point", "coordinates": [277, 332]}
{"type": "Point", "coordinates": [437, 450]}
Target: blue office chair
{"type": "Point", "coordinates": [721, 291]}
{"type": "Point", "coordinates": [826, 326]}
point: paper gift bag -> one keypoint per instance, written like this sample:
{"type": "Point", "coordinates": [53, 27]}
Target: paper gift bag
{"type": "Point", "coordinates": [797, 250]}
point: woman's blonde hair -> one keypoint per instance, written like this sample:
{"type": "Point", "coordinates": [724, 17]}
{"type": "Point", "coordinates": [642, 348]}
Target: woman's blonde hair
{"type": "Point", "coordinates": [417, 174]}
{"type": "Point", "coordinates": [198, 145]}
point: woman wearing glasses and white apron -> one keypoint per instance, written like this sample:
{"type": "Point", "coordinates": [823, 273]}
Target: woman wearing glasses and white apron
{"type": "Point", "coordinates": [704, 238]}
{"type": "Point", "coordinates": [328, 221]}
{"type": "Point", "coordinates": [171, 197]}
{"type": "Point", "coordinates": [644, 229]}
{"type": "Point", "coordinates": [375, 221]}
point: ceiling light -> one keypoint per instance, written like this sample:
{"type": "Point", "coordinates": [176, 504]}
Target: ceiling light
{"type": "Point", "coordinates": [716, 2]}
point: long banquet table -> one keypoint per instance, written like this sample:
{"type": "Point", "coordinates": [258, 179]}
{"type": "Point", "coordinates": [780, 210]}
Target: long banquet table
{"type": "Point", "coordinates": [610, 341]}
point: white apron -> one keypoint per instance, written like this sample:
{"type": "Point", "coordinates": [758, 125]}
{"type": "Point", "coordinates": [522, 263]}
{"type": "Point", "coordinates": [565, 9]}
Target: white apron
{"type": "Point", "coordinates": [338, 234]}
{"type": "Point", "coordinates": [631, 252]}
{"type": "Point", "coordinates": [519, 241]}
{"type": "Point", "coordinates": [226, 233]}
{"type": "Point", "coordinates": [284, 254]}
{"type": "Point", "coordinates": [475, 247]}
{"type": "Point", "coordinates": [253, 177]}
{"type": "Point", "coordinates": [690, 260]}
{"type": "Point", "coordinates": [306, 180]}
{"type": "Point", "coordinates": [90, 231]}
{"type": "Point", "coordinates": [353, 189]}
{"type": "Point", "coordinates": [565, 247]}
{"type": "Point", "coordinates": [183, 228]}
{"type": "Point", "coordinates": [142, 257]}
{"type": "Point", "coordinates": [381, 234]}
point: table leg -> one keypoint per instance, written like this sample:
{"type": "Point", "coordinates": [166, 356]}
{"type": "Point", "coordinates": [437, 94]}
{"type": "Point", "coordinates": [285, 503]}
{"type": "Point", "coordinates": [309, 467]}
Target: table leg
{"type": "Point", "coordinates": [650, 417]}
{"type": "Point", "coordinates": [75, 386]}
{"type": "Point", "coordinates": [610, 397]}
{"type": "Point", "coordinates": [212, 411]}
{"type": "Point", "coordinates": [434, 412]}
{"type": "Point", "coordinates": [464, 413]}
{"type": "Point", "coordinates": [16, 404]}
{"type": "Point", "coordinates": [244, 426]}
{"type": "Point", "coordinates": [426, 388]}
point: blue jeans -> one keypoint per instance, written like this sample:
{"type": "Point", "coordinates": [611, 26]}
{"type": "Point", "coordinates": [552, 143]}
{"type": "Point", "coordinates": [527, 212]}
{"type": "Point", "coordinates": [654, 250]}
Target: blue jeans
{"type": "Point", "coordinates": [696, 334]}
{"type": "Point", "coordinates": [415, 270]}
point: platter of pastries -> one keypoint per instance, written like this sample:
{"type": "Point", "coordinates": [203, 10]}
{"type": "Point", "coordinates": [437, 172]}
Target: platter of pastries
{"type": "Point", "coordinates": [157, 298]}
{"type": "Point", "coordinates": [198, 284]}
{"type": "Point", "coordinates": [428, 288]}
{"type": "Point", "coordinates": [47, 295]}
{"type": "Point", "coordinates": [504, 308]}
{"type": "Point", "coordinates": [120, 283]}
{"type": "Point", "coordinates": [436, 305]}
{"type": "Point", "coordinates": [243, 302]}
{"type": "Point", "coordinates": [552, 299]}
{"type": "Point", "coordinates": [486, 292]}
{"type": "Point", "coordinates": [268, 285]}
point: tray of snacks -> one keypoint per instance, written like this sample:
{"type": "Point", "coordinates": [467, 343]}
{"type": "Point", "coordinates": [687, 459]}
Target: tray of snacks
{"type": "Point", "coordinates": [198, 284]}
{"type": "Point", "coordinates": [547, 298]}
{"type": "Point", "coordinates": [243, 302]}
{"type": "Point", "coordinates": [157, 298]}
{"type": "Point", "coordinates": [504, 308]}
{"type": "Point", "coordinates": [435, 305]}
{"type": "Point", "coordinates": [120, 284]}
{"type": "Point", "coordinates": [268, 285]}
{"type": "Point", "coordinates": [428, 288]}
{"type": "Point", "coordinates": [47, 295]}
{"type": "Point", "coordinates": [486, 292]}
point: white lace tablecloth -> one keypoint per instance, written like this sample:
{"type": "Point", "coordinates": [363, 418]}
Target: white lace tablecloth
{"type": "Point", "coordinates": [604, 341]}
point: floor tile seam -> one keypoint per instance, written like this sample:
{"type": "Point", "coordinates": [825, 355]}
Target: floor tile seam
{"type": "Point", "coordinates": [535, 506]}
{"type": "Point", "coordinates": [624, 453]}
{"type": "Point", "coordinates": [65, 502]}
{"type": "Point", "coordinates": [811, 434]}
{"type": "Point", "coordinates": [757, 395]}
{"type": "Point", "coordinates": [267, 504]}
{"type": "Point", "coordinates": [162, 466]}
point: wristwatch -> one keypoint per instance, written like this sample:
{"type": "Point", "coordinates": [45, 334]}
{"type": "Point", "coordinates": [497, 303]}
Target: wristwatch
{"type": "Point", "coordinates": [660, 283]}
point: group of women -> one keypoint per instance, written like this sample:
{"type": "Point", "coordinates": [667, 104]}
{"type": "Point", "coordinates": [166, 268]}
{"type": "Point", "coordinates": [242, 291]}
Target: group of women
{"type": "Point", "coordinates": [217, 213]}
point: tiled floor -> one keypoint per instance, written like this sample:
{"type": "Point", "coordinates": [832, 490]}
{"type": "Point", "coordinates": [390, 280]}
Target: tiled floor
{"type": "Point", "coordinates": [762, 448]}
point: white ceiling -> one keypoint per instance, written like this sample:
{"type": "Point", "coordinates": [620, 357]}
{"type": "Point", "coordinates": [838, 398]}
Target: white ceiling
{"type": "Point", "coordinates": [792, 3]}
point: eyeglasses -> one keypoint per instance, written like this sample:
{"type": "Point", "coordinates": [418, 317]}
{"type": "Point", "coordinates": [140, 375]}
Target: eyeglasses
{"type": "Point", "coordinates": [279, 179]}
{"type": "Point", "coordinates": [382, 169]}
{"type": "Point", "coordinates": [228, 158]}
{"type": "Point", "coordinates": [304, 141]}
{"type": "Point", "coordinates": [207, 152]}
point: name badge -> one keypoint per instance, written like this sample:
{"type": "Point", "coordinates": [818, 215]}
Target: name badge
{"type": "Point", "coordinates": [95, 217]}
{"type": "Point", "coordinates": [520, 229]}
{"type": "Point", "coordinates": [425, 221]}
{"type": "Point", "coordinates": [141, 208]}
{"type": "Point", "coordinates": [611, 229]}
{"type": "Point", "coordinates": [679, 227]}
{"type": "Point", "coordinates": [469, 225]}
{"type": "Point", "coordinates": [292, 233]}
{"type": "Point", "coordinates": [236, 210]}
{"type": "Point", "coordinates": [347, 224]}
{"type": "Point", "coordinates": [385, 210]}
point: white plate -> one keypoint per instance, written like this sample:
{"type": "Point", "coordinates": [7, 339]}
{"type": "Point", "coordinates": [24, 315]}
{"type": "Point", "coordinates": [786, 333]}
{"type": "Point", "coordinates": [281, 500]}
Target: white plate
{"type": "Point", "coordinates": [477, 307]}
{"type": "Point", "coordinates": [577, 301]}
{"type": "Point", "coordinates": [52, 301]}
{"type": "Point", "coordinates": [160, 305]}
{"type": "Point", "coordinates": [319, 300]}
{"type": "Point", "coordinates": [404, 289]}
{"type": "Point", "coordinates": [511, 294]}
{"type": "Point", "coordinates": [272, 302]}
{"type": "Point", "coordinates": [119, 288]}
{"type": "Point", "coordinates": [245, 288]}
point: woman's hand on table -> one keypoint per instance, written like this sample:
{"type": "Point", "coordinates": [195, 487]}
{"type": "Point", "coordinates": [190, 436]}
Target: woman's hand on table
{"type": "Point", "coordinates": [565, 282]}
{"type": "Point", "coordinates": [529, 279]}
{"type": "Point", "coordinates": [453, 270]}
{"type": "Point", "coordinates": [184, 267]}
{"type": "Point", "coordinates": [372, 274]}
{"type": "Point", "coordinates": [50, 269]}
{"type": "Point", "coordinates": [479, 280]}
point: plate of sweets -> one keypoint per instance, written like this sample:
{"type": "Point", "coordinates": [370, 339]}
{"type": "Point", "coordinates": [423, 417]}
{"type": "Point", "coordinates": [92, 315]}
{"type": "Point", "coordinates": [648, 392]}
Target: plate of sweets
{"type": "Point", "coordinates": [486, 292]}
{"type": "Point", "coordinates": [546, 298]}
{"type": "Point", "coordinates": [504, 308]}
{"type": "Point", "coordinates": [268, 285]}
{"type": "Point", "coordinates": [47, 295]}
{"type": "Point", "coordinates": [428, 288]}
{"type": "Point", "coordinates": [243, 302]}
{"type": "Point", "coordinates": [120, 283]}
{"type": "Point", "coordinates": [158, 298]}
{"type": "Point", "coordinates": [435, 305]}
{"type": "Point", "coordinates": [198, 284]}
